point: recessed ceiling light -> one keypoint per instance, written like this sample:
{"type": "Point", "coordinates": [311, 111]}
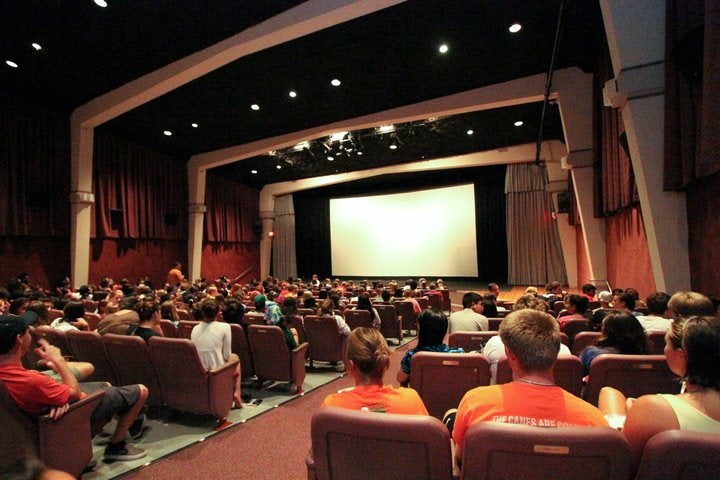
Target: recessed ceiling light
{"type": "Point", "coordinates": [101, 3]}
{"type": "Point", "coordinates": [167, 133]}
{"type": "Point", "coordinates": [515, 27]}
{"type": "Point", "coordinates": [443, 48]}
{"type": "Point", "coordinates": [36, 46]}
{"type": "Point", "coordinates": [292, 94]}
{"type": "Point", "coordinates": [393, 146]}
{"type": "Point", "coordinates": [194, 125]}
{"type": "Point", "coordinates": [335, 82]}
{"type": "Point", "coordinates": [254, 172]}
{"type": "Point", "coordinates": [386, 128]}
{"type": "Point", "coordinates": [359, 152]}
{"type": "Point", "coordinates": [330, 159]}
{"type": "Point", "coordinates": [519, 123]}
{"type": "Point", "coordinates": [255, 107]}
{"type": "Point", "coordinates": [10, 63]}
{"type": "Point", "coordinates": [470, 132]}
{"type": "Point", "coordinates": [278, 167]}
{"type": "Point", "coordinates": [338, 136]}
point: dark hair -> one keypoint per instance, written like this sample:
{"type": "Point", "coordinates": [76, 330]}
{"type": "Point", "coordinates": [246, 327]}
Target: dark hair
{"type": "Point", "coordinates": [657, 302]}
{"type": "Point", "coordinates": [73, 310]}
{"type": "Point", "coordinates": [364, 303]}
{"type": "Point", "coordinates": [628, 300]}
{"type": "Point", "coordinates": [147, 309]}
{"type": "Point", "coordinates": [432, 328]}
{"type": "Point", "coordinates": [233, 311]}
{"type": "Point", "coordinates": [589, 287]}
{"type": "Point", "coordinates": [9, 331]}
{"type": "Point", "coordinates": [209, 308]}
{"type": "Point", "coordinates": [385, 295]}
{"type": "Point", "coordinates": [624, 333]}
{"type": "Point", "coordinates": [580, 302]}
{"type": "Point", "coordinates": [489, 307]}
{"type": "Point", "coordinates": [701, 342]}
{"type": "Point", "coordinates": [470, 298]}
{"type": "Point", "coordinates": [289, 307]}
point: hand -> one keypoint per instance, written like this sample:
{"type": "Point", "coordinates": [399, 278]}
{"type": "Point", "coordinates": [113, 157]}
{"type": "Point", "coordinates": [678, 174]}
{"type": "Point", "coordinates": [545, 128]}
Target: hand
{"type": "Point", "coordinates": [56, 413]}
{"type": "Point", "coordinates": [49, 353]}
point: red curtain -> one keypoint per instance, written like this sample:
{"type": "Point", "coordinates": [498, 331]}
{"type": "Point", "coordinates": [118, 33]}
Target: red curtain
{"type": "Point", "coordinates": [232, 210]}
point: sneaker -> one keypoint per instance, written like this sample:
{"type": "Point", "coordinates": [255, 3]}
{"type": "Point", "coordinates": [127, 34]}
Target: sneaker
{"type": "Point", "coordinates": [136, 430]}
{"type": "Point", "coordinates": [123, 452]}
{"type": "Point", "coordinates": [102, 438]}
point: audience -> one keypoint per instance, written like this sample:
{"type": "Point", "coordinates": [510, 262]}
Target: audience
{"type": "Point", "coordinates": [149, 326]}
{"type": "Point", "coordinates": [576, 306]}
{"type": "Point", "coordinates": [366, 358]}
{"type": "Point", "coordinates": [659, 315]}
{"type": "Point", "coordinates": [621, 333]}
{"type": "Point", "coordinates": [470, 318]}
{"type": "Point", "coordinates": [72, 318]}
{"type": "Point", "coordinates": [599, 313]}
{"type": "Point", "coordinates": [327, 310]}
{"type": "Point", "coordinates": [364, 303]}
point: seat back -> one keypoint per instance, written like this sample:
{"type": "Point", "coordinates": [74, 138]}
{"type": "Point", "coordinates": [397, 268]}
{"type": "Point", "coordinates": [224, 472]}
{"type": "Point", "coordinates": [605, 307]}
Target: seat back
{"type": "Point", "coordinates": [93, 319]}
{"type": "Point", "coordinates": [390, 326]}
{"type": "Point", "coordinates": [500, 451]}
{"type": "Point", "coordinates": [633, 375]}
{"type": "Point", "coordinates": [494, 323]}
{"type": "Point", "coordinates": [680, 455]}
{"type": "Point", "coordinates": [446, 304]}
{"type": "Point", "coordinates": [89, 347]}
{"type": "Point", "coordinates": [297, 322]}
{"type": "Point", "coordinates": [567, 373]}
{"type": "Point", "coordinates": [183, 380]}
{"type": "Point", "coordinates": [53, 313]}
{"type": "Point", "coordinates": [408, 318]}
{"type": "Point", "coordinates": [470, 341]}
{"type": "Point", "coordinates": [657, 342]}
{"type": "Point", "coordinates": [253, 318]}
{"type": "Point", "coordinates": [424, 302]}
{"type": "Point", "coordinates": [441, 379]}
{"type": "Point", "coordinates": [435, 302]}
{"type": "Point", "coordinates": [583, 340]}
{"type": "Point", "coordinates": [324, 339]}
{"type": "Point", "coordinates": [270, 354]}
{"type": "Point", "coordinates": [573, 327]}
{"type": "Point", "coordinates": [54, 337]}
{"type": "Point", "coordinates": [169, 329]}
{"type": "Point", "coordinates": [401, 446]}
{"type": "Point", "coordinates": [357, 318]}
{"type": "Point", "coordinates": [185, 328]}
{"type": "Point", "coordinates": [131, 360]}
{"type": "Point", "coordinates": [305, 311]}
{"type": "Point", "coordinates": [241, 348]}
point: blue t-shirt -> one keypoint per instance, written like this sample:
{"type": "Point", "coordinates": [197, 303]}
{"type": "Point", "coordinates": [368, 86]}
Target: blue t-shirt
{"type": "Point", "coordinates": [442, 348]}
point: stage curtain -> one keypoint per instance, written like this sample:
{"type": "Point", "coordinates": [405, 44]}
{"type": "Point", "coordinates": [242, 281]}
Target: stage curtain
{"type": "Point", "coordinates": [34, 173]}
{"type": "Point", "coordinates": [139, 193]}
{"type": "Point", "coordinates": [619, 190]}
{"type": "Point", "coordinates": [534, 249]}
{"type": "Point", "coordinates": [283, 248]}
{"type": "Point", "coordinates": [692, 91]}
{"type": "Point", "coordinates": [232, 209]}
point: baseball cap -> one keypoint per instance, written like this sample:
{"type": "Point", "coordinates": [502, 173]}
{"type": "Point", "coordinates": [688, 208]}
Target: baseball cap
{"type": "Point", "coordinates": [16, 324]}
{"type": "Point", "coordinates": [259, 299]}
{"type": "Point", "coordinates": [605, 296]}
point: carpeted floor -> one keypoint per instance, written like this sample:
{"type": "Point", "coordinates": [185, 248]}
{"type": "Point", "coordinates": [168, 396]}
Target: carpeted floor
{"type": "Point", "coordinates": [262, 440]}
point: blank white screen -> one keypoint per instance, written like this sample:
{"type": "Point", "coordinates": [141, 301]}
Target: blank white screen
{"type": "Point", "coordinates": [429, 232]}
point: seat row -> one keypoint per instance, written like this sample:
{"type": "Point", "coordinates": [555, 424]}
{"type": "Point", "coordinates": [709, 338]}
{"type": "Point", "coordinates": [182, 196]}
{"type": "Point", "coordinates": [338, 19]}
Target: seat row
{"type": "Point", "coordinates": [414, 446]}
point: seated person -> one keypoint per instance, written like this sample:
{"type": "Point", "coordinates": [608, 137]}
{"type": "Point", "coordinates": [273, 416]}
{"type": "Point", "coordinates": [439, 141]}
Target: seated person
{"type": "Point", "coordinates": [576, 307]}
{"type": "Point", "coordinates": [432, 328]}
{"type": "Point", "coordinates": [213, 340]}
{"type": "Point", "coordinates": [605, 298]}
{"type": "Point", "coordinates": [470, 318]}
{"type": "Point", "coordinates": [490, 308]}
{"type": "Point", "coordinates": [659, 315]}
{"type": "Point", "coordinates": [122, 321]}
{"type": "Point", "coordinates": [72, 318]}
{"type": "Point", "coordinates": [408, 296]}
{"type": "Point", "coordinates": [35, 393]}
{"type": "Point", "coordinates": [367, 357]}
{"type": "Point", "coordinates": [621, 333]}
{"type": "Point", "coordinates": [364, 303]}
{"type": "Point", "coordinates": [326, 310]}
{"type": "Point", "coordinates": [692, 348]}
{"type": "Point", "coordinates": [149, 326]}
{"type": "Point", "coordinates": [588, 291]}
{"type": "Point", "coordinates": [532, 343]}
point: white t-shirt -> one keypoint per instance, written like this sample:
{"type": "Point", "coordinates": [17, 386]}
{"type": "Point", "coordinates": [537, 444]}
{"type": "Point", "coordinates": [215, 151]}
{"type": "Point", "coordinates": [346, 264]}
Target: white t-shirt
{"type": "Point", "coordinates": [214, 343]}
{"type": "Point", "coordinates": [653, 323]}
{"type": "Point", "coordinates": [494, 351]}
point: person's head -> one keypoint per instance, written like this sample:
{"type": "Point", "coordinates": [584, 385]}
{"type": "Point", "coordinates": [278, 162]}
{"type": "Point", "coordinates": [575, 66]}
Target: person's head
{"type": "Point", "coordinates": [692, 350]}
{"type": "Point", "coordinates": [364, 302]}
{"type": "Point", "coordinates": [73, 310]}
{"type": "Point", "coordinates": [624, 301]}
{"type": "Point", "coordinates": [289, 307]}
{"type": "Point", "coordinates": [367, 354]}
{"type": "Point", "coordinates": [470, 299]}
{"type": "Point", "coordinates": [128, 303]}
{"type": "Point", "coordinates": [233, 311]}
{"type": "Point", "coordinates": [624, 332]}
{"type": "Point", "coordinates": [408, 293]}
{"type": "Point", "coordinates": [605, 298]}
{"type": "Point", "coordinates": [530, 301]}
{"type": "Point", "coordinates": [259, 302]}
{"type": "Point", "coordinates": [40, 309]}
{"type": "Point", "coordinates": [168, 310]}
{"type": "Point", "coordinates": [494, 288]}
{"type": "Point", "coordinates": [177, 265]}
{"type": "Point", "coordinates": [688, 304]}
{"type": "Point", "coordinates": [326, 307]}
{"type": "Point", "coordinates": [385, 295]}
{"type": "Point", "coordinates": [589, 289]}
{"type": "Point", "coordinates": [432, 328]}
{"type": "Point", "coordinates": [12, 329]}
{"type": "Point", "coordinates": [531, 290]}
{"type": "Point", "coordinates": [148, 310]}
{"type": "Point", "coordinates": [209, 308]}
{"type": "Point", "coordinates": [309, 302]}
{"type": "Point", "coordinates": [657, 303]}
{"type": "Point", "coordinates": [18, 305]}
{"type": "Point", "coordinates": [554, 287]}
{"type": "Point", "coordinates": [577, 304]}
{"type": "Point", "coordinates": [532, 337]}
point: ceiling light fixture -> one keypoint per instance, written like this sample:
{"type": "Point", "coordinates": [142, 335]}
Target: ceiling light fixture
{"type": "Point", "coordinates": [279, 167]}
{"type": "Point", "coordinates": [470, 132]}
{"type": "Point", "coordinates": [12, 64]}
{"type": "Point", "coordinates": [359, 152]}
{"type": "Point", "coordinates": [386, 128]}
{"type": "Point", "coordinates": [194, 125]}
{"type": "Point", "coordinates": [338, 137]}
{"type": "Point", "coordinates": [167, 133]}
{"type": "Point", "coordinates": [514, 28]}
{"type": "Point", "coordinates": [292, 94]}
{"type": "Point", "coordinates": [330, 159]}
{"type": "Point", "coordinates": [393, 147]}
{"type": "Point", "coordinates": [519, 123]}
{"type": "Point", "coordinates": [254, 172]}
{"type": "Point", "coordinates": [443, 48]}
{"type": "Point", "coordinates": [101, 3]}
{"type": "Point", "coordinates": [36, 46]}
{"type": "Point", "coordinates": [335, 82]}
{"type": "Point", "coordinates": [300, 146]}
{"type": "Point", "coordinates": [255, 107]}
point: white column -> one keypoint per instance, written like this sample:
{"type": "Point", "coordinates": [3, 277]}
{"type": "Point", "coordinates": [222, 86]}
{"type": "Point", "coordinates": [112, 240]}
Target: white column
{"type": "Point", "coordinates": [267, 217]}
{"type": "Point", "coordinates": [593, 228]}
{"type": "Point", "coordinates": [81, 201]}
{"type": "Point", "coordinates": [196, 219]}
{"type": "Point", "coordinates": [639, 89]}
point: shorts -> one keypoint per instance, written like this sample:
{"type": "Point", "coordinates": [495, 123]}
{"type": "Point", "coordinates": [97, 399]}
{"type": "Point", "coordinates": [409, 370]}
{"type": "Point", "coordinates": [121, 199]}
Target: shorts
{"type": "Point", "coordinates": [56, 376]}
{"type": "Point", "coordinates": [116, 401]}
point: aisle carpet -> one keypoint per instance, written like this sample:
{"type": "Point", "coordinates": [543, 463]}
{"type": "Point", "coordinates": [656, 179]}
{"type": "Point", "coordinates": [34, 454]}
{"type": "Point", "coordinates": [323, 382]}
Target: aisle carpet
{"type": "Point", "coordinates": [168, 432]}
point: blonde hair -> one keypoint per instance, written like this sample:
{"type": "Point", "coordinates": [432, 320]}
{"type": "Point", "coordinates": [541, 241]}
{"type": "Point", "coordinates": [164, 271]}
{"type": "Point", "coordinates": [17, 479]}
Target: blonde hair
{"type": "Point", "coordinates": [368, 351]}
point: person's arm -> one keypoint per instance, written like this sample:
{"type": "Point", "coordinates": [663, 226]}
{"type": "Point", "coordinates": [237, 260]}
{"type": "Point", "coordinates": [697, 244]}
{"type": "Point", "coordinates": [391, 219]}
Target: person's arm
{"type": "Point", "coordinates": [54, 359]}
{"type": "Point", "coordinates": [612, 401]}
{"type": "Point", "coordinates": [227, 342]}
{"type": "Point", "coordinates": [650, 414]}
{"type": "Point", "coordinates": [403, 375]}
{"type": "Point", "coordinates": [342, 326]}
{"type": "Point", "coordinates": [156, 324]}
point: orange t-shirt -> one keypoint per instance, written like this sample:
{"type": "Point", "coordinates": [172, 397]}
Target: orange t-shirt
{"type": "Point", "coordinates": [377, 398]}
{"type": "Point", "coordinates": [524, 404]}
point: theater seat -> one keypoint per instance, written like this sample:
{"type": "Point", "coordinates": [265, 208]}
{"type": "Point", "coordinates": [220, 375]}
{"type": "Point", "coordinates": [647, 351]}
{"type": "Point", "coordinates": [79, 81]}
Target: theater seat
{"type": "Point", "coordinates": [272, 359]}
{"type": "Point", "coordinates": [130, 357]}
{"type": "Point", "coordinates": [681, 455]}
{"type": "Point", "coordinates": [408, 318]}
{"type": "Point", "coordinates": [470, 341]}
{"type": "Point", "coordinates": [500, 451]}
{"type": "Point", "coordinates": [390, 325]}
{"type": "Point", "coordinates": [352, 445]}
{"type": "Point", "coordinates": [567, 373]}
{"type": "Point", "coordinates": [89, 347]}
{"type": "Point", "coordinates": [241, 348]}
{"type": "Point", "coordinates": [324, 340]}
{"type": "Point", "coordinates": [357, 318]}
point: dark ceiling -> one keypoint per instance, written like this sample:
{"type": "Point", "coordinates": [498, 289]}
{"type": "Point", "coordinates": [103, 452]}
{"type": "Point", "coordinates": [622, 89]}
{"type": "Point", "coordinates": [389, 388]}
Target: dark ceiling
{"type": "Point", "coordinates": [384, 60]}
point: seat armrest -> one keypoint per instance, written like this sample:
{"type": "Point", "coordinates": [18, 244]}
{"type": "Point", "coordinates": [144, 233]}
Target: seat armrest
{"type": "Point", "coordinates": [221, 369]}
{"type": "Point", "coordinates": [310, 465]}
{"type": "Point", "coordinates": [297, 361]}
{"type": "Point", "coordinates": [72, 429]}
{"type": "Point", "coordinates": [220, 388]}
